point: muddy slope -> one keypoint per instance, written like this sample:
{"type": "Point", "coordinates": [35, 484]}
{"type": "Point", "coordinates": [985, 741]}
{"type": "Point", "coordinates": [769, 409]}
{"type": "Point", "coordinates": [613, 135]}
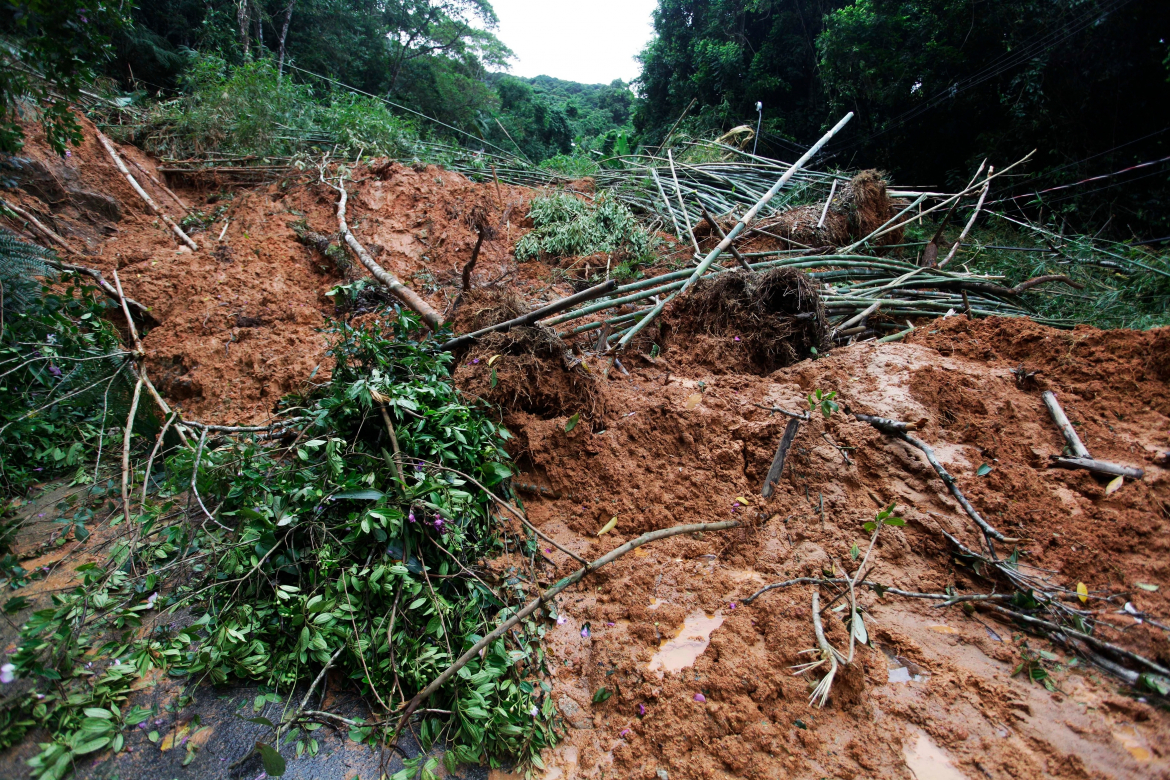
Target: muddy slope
{"type": "Point", "coordinates": [678, 440]}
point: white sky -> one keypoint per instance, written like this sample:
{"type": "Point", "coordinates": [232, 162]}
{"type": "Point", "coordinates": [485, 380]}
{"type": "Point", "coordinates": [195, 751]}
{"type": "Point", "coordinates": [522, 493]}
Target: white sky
{"type": "Point", "coordinates": [593, 42]}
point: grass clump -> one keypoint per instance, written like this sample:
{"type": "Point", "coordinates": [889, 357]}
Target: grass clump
{"type": "Point", "coordinates": [569, 226]}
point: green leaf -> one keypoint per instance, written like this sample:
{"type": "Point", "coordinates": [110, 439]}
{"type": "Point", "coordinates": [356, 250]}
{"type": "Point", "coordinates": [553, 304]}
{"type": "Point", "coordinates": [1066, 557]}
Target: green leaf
{"type": "Point", "coordinates": [152, 736]}
{"type": "Point", "coordinates": [854, 552]}
{"type": "Point", "coordinates": [572, 422]}
{"type": "Point", "coordinates": [260, 721]}
{"type": "Point", "coordinates": [601, 695]}
{"type": "Point", "coordinates": [361, 495]}
{"type": "Point", "coordinates": [494, 380]}
{"type": "Point", "coordinates": [869, 527]}
{"type": "Point", "coordinates": [98, 712]}
{"type": "Point", "coordinates": [983, 470]}
{"type": "Point", "coordinates": [895, 521]}
{"type": "Point", "coordinates": [273, 762]}
{"type": "Point", "coordinates": [15, 604]}
{"type": "Point", "coordinates": [89, 747]}
{"type": "Point", "coordinates": [495, 473]}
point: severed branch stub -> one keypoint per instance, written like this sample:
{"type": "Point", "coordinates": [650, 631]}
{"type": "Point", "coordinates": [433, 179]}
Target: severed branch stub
{"type": "Point", "coordinates": [777, 468]}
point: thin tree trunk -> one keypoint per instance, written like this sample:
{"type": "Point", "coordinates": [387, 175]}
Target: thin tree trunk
{"type": "Point", "coordinates": [242, 19]}
{"type": "Point", "coordinates": [283, 35]}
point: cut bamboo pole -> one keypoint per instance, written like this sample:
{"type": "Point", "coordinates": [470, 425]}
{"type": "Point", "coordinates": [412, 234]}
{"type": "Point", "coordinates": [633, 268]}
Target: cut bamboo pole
{"type": "Point", "coordinates": [666, 201]}
{"type": "Point", "coordinates": [739, 227]}
{"type": "Point", "coordinates": [971, 222]}
{"type": "Point", "coordinates": [40, 227]}
{"type": "Point", "coordinates": [790, 431]}
{"type": "Point", "coordinates": [828, 202]}
{"type": "Point", "coordinates": [531, 317]}
{"type": "Point", "coordinates": [1062, 422]}
{"type": "Point", "coordinates": [681, 206]}
{"type": "Point", "coordinates": [144, 194]}
{"type": "Point", "coordinates": [1097, 467]}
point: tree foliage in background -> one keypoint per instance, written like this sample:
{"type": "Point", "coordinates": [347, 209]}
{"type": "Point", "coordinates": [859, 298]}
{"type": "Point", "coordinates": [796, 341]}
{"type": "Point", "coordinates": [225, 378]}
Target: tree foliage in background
{"type": "Point", "coordinates": [937, 85]}
{"type": "Point", "coordinates": [61, 40]}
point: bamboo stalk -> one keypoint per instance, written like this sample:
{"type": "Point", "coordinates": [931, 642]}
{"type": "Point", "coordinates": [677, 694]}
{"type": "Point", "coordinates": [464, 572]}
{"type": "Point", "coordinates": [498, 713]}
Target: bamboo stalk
{"type": "Point", "coordinates": [739, 227]}
{"type": "Point", "coordinates": [1070, 435]}
{"type": "Point", "coordinates": [121, 166]}
{"type": "Point", "coordinates": [681, 206]}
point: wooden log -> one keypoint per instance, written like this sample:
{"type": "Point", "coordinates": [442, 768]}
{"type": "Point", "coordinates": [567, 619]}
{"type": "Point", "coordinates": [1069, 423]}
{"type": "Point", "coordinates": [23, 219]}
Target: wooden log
{"type": "Point", "coordinates": [777, 468]}
{"type": "Point", "coordinates": [1070, 435]}
{"type": "Point", "coordinates": [1096, 466]}
{"type": "Point", "coordinates": [527, 319]}
{"type": "Point", "coordinates": [121, 166]}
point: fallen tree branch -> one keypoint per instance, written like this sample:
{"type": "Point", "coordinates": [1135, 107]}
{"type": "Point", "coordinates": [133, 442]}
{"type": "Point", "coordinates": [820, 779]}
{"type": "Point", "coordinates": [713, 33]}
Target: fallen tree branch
{"type": "Point", "coordinates": [178, 231]}
{"type": "Point", "coordinates": [533, 605]}
{"type": "Point", "coordinates": [805, 417]}
{"type": "Point", "coordinates": [527, 319]}
{"type": "Point", "coordinates": [400, 291]}
{"type": "Point", "coordinates": [105, 286]}
{"type": "Point", "coordinates": [40, 227]}
{"type": "Point", "coordinates": [898, 430]}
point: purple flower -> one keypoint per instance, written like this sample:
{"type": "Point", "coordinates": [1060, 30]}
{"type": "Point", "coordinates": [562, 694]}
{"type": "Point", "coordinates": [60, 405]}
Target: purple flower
{"type": "Point", "coordinates": [700, 697]}
{"type": "Point", "coordinates": [410, 517]}
{"type": "Point", "coordinates": [641, 709]}
{"type": "Point", "coordinates": [737, 339]}
{"type": "Point", "coordinates": [7, 673]}
{"type": "Point", "coordinates": [610, 624]}
{"type": "Point", "coordinates": [475, 361]}
{"type": "Point", "coordinates": [585, 632]}
{"type": "Point", "coordinates": [623, 733]}
{"type": "Point", "coordinates": [561, 620]}
{"type": "Point", "coordinates": [53, 370]}
{"type": "Point", "coordinates": [733, 605]}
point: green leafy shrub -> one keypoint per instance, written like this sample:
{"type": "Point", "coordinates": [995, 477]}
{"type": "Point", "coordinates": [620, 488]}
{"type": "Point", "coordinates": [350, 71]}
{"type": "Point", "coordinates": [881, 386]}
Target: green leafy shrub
{"type": "Point", "coordinates": [250, 110]}
{"type": "Point", "coordinates": [61, 377]}
{"type": "Point", "coordinates": [567, 226]}
{"type": "Point", "coordinates": [347, 547]}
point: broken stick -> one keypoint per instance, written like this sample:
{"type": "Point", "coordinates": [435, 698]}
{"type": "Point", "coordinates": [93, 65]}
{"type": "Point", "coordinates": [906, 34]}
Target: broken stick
{"type": "Point", "coordinates": [898, 429]}
{"type": "Point", "coordinates": [1096, 466]}
{"type": "Point", "coordinates": [790, 431]}
{"type": "Point", "coordinates": [400, 291]}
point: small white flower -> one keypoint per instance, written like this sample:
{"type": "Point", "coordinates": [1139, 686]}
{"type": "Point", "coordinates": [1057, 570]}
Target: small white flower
{"type": "Point", "coordinates": [7, 673]}
{"type": "Point", "coordinates": [534, 711]}
{"type": "Point", "coordinates": [150, 601]}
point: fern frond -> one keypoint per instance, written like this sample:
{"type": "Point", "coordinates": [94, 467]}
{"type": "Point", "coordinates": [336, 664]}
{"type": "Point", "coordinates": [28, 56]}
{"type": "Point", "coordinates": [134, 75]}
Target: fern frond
{"type": "Point", "coordinates": [21, 265]}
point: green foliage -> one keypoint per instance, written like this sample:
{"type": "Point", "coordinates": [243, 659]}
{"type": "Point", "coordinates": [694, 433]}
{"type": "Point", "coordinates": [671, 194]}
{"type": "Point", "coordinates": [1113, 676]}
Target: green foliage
{"type": "Point", "coordinates": [48, 56]}
{"type": "Point", "coordinates": [60, 369]}
{"type": "Point", "coordinates": [819, 399]}
{"type": "Point", "coordinates": [567, 226]}
{"type": "Point", "coordinates": [883, 517]}
{"type": "Point", "coordinates": [250, 109]}
{"type": "Point", "coordinates": [337, 552]}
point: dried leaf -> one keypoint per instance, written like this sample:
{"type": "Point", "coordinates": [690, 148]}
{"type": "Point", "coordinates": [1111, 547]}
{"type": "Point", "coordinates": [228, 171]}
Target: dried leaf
{"type": "Point", "coordinates": [742, 500]}
{"type": "Point", "coordinates": [493, 359]}
{"type": "Point", "coordinates": [1146, 586]}
{"type": "Point", "coordinates": [1083, 592]}
{"type": "Point", "coordinates": [1114, 485]}
{"type": "Point", "coordinates": [608, 526]}
{"type": "Point", "coordinates": [693, 401]}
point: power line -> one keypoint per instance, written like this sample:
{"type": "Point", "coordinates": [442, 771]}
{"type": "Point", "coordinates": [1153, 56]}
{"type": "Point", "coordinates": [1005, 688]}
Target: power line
{"type": "Point", "coordinates": [402, 108]}
{"type": "Point", "coordinates": [1086, 181]}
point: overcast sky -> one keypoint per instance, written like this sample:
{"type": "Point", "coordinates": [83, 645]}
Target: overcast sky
{"type": "Point", "coordinates": [593, 42]}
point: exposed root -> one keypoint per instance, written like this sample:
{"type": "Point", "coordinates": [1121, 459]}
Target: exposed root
{"type": "Point", "coordinates": [759, 314]}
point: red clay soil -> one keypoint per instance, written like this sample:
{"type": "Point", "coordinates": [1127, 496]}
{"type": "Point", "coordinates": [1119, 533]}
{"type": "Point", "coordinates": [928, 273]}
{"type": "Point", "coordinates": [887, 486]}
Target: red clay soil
{"type": "Point", "coordinates": [679, 441]}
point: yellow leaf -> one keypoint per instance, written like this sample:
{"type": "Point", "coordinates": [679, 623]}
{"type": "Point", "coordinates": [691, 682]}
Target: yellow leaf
{"type": "Point", "coordinates": [1114, 485]}
{"type": "Point", "coordinates": [175, 738]}
{"type": "Point", "coordinates": [1083, 590]}
{"type": "Point", "coordinates": [742, 500]}
{"type": "Point", "coordinates": [493, 359]}
{"type": "Point", "coordinates": [693, 401]}
{"type": "Point", "coordinates": [608, 526]}
{"type": "Point", "coordinates": [944, 629]}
